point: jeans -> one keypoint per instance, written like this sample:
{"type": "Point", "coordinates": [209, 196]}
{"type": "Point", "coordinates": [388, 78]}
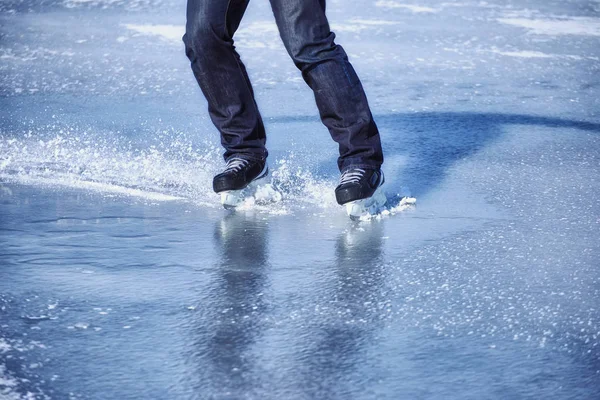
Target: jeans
{"type": "Point", "coordinates": [305, 32]}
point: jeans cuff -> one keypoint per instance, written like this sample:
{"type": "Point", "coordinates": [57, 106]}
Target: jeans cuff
{"type": "Point", "coordinates": [247, 156]}
{"type": "Point", "coordinates": [359, 165]}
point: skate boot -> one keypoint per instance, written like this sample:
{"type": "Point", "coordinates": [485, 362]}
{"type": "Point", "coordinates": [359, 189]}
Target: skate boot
{"type": "Point", "coordinates": [239, 180]}
{"type": "Point", "coordinates": [360, 190]}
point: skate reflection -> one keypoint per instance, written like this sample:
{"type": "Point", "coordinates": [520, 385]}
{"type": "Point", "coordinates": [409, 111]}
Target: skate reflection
{"type": "Point", "coordinates": [358, 310]}
{"type": "Point", "coordinates": [238, 304]}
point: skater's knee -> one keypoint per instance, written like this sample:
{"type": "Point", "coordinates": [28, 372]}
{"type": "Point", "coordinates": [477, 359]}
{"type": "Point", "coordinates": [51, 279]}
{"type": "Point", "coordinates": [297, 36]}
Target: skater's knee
{"type": "Point", "coordinates": [309, 54]}
{"type": "Point", "coordinates": [203, 34]}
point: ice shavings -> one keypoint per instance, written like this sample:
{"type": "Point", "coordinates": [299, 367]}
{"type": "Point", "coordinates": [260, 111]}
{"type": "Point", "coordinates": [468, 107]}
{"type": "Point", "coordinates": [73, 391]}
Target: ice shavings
{"type": "Point", "coordinates": [298, 183]}
{"type": "Point", "coordinates": [169, 171]}
{"type": "Point", "coordinates": [171, 168]}
{"type": "Point", "coordinates": [292, 187]}
{"type": "Point", "coordinates": [266, 194]}
{"type": "Point", "coordinates": [405, 203]}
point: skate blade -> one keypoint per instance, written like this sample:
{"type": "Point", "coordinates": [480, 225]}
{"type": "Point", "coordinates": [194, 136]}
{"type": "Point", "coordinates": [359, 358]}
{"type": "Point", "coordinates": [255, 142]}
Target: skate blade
{"type": "Point", "coordinates": [233, 198]}
{"type": "Point", "coordinates": [256, 192]}
{"type": "Point", "coordinates": [367, 208]}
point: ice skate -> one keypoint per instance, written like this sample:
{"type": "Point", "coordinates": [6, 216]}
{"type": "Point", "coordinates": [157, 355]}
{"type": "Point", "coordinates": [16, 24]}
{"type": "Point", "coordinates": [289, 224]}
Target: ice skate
{"type": "Point", "coordinates": [239, 180]}
{"type": "Point", "coordinates": [360, 190]}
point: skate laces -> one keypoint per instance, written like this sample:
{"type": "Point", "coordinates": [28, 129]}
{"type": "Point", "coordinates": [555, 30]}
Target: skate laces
{"type": "Point", "coordinates": [235, 165]}
{"type": "Point", "coordinates": [352, 176]}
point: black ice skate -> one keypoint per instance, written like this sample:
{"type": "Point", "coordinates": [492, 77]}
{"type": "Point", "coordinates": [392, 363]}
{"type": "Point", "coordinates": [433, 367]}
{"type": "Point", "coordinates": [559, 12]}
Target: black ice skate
{"type": "Point", "coordinates": [239, 180]}
{"type": "Point", "coordinates": [360, 190]}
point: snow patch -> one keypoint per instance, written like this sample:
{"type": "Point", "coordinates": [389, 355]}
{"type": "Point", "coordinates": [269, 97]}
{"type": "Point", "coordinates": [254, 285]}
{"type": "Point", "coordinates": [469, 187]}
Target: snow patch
{"type": "Point", "coordinates": [373, 22]}
{"type": "Point", "coordinates": [249, 36]}
{"type": "Point", "coordinates": [539, 54]}
{"type": "Point", "coordinates": [169, 32]}
{"type": "Point", "coordinates": [258, 28]}
{"type": "Point", "coordinates": [246, 37]}
{"type": "Point", "coordinates": [524, 54]}
{"type": "Point", "coordinates": [358, 25]}
{"type": "Point", "coordinates": [75, 3]}
{"type": "Point", "coordinates": [105, 4]}
{"type": "Point", "coordinates": [481, 4]}
{"type": "Point", "coordinates": [4, 347]}
{"type": "Point", "coordinates": [563, 26]}
{"type": "Point", "coordinates": [410, 7]}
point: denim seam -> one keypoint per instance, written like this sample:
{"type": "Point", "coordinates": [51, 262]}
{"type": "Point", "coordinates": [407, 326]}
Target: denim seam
{"type": "Point", "coordinates": [225, 33]}
{"type": "Point", "coordinates": [347, 74]}
{"type": "Point", "coordinates": [240, 68]}
{"type": "Point", "coordinates": [236, 61]}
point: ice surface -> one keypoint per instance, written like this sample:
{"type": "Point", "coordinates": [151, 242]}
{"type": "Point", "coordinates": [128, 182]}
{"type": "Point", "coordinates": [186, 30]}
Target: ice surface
{"type": "Point", "coordinates": [121, 276]}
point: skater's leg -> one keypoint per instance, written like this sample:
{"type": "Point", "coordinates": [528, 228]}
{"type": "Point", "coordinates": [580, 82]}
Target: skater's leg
{"type": "Point", "coordinates": [222, 76]}
{"type": "Point", "coordinates": [338, 92]}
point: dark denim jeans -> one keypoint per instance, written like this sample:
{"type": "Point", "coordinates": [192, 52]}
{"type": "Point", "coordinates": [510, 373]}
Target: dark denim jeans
{"type": "Point", "coordinates": [305, 32]}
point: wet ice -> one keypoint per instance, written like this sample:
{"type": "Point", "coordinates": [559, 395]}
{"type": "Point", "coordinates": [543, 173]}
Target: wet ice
{"type": "Point", "coordinates": [121, 275]}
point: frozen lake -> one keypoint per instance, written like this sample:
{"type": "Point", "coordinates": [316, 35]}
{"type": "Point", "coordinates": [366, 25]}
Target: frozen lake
{"type": "Point", "coordinates": [121, 277]}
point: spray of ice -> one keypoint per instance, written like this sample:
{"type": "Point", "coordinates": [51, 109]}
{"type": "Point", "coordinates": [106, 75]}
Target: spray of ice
{"type": "Point", "coordinates": [168, 166]}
